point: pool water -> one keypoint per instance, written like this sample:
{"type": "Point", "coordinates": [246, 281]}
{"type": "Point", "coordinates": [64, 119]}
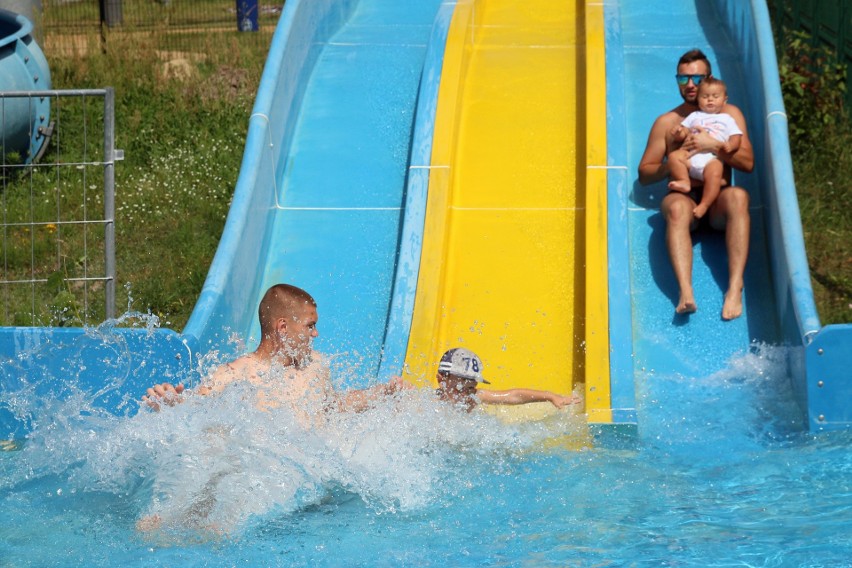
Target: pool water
{"type": "Point", "coordinates": [720, 474]}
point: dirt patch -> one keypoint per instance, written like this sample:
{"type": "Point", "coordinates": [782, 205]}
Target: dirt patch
{"type": "Point", "coordinates": [180, 65]}
{"type": "Point", "coordinates": [226, 83]}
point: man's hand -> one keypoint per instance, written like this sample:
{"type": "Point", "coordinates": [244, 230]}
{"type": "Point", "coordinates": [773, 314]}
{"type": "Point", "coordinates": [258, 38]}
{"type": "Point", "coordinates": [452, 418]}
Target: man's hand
{"type": "Point", "coordinates": [164, 393]}
{"type": "Point", "coordinates": [699, 140]}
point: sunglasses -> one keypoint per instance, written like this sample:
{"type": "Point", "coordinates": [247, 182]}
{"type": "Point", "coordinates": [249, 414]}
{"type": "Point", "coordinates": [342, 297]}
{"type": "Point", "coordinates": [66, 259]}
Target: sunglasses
{"type": "Point", "coordinates": [684, 79]}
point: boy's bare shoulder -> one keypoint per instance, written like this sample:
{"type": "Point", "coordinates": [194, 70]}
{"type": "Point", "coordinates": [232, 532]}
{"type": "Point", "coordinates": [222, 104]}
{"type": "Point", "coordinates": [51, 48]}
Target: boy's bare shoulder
{"type": "Point", "coordinates": [227, 373]}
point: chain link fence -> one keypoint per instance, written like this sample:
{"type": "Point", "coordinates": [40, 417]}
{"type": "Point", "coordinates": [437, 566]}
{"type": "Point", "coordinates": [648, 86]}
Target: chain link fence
{"type": "Point", "coordinates": [70, 22]}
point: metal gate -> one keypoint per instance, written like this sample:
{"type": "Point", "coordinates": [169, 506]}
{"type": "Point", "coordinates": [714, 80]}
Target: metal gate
{"type": "Point", "coordinates": [57, 230]}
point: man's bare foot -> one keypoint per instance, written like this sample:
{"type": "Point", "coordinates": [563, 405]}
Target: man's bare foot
{"type": "Point", "coordinates": [699, 211]}
{"type": "Point", "coordinates": [680, 185]}
{"type": "Point", "coordinates": [732, 308]}
{"type": "Point", "coordinates": [686, 305]}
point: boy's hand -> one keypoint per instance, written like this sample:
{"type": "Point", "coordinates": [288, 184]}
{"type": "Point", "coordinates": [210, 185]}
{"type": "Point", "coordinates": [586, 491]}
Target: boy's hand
{"type": "Point", "coordinates": [701, 141]}
{"type": "Point", "coordinates": [397, 384]}
{"type": "Point", "coordinates": [560, 401]}
{"type": "Point", "coordinates": [164, 393]}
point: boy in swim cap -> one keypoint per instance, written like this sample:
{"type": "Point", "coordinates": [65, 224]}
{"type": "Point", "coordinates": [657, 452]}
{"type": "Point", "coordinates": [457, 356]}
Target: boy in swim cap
{"type": "Point", "coordinates": [459, 377]}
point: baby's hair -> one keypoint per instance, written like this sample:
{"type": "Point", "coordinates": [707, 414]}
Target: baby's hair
{"type": "Point", "coordinates": [712, 82]}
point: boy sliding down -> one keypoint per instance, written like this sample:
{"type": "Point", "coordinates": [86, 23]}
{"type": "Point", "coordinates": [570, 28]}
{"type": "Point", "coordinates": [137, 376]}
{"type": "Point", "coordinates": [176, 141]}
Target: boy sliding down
{"type": "Point", "coordinates": [460, 373]}
{"type": "Point", "coordinates": [705, 166]}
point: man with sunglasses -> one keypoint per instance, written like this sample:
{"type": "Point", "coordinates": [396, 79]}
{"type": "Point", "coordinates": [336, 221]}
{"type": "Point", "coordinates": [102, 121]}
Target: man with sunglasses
{"type": "Point", "coordinates": [728, 213]}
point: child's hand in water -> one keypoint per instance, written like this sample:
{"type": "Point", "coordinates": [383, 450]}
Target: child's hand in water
{"type": "Point", "coordinates": [397, 384]}
{"type": "Point", "coordinates": [164, 393]}
{"type": "Point", "coordinates": [560, 401]}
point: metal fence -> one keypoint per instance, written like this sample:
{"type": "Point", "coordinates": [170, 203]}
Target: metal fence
{"type": "Point", "coordinates": [68, 27]}
{"type": "Point", "coordinates": [163, 20]}
{"type": "Point", "coordinates": [57, 207]}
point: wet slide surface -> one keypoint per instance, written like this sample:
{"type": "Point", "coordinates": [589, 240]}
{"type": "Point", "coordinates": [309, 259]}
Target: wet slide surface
{"type": "Point", "coordinates": [500, 273]}
{"type": "Point", "coordinates": [340, 199]}
{"type": "Point", "coordinates": [700, 344]}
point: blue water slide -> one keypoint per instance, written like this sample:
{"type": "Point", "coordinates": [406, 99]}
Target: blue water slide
{"type": "Point", "coordinates": [322, 191]}
{"type": "Point", "coordinates": [779, 308]}
{"type": "Point", "coordinates": [23, 68]}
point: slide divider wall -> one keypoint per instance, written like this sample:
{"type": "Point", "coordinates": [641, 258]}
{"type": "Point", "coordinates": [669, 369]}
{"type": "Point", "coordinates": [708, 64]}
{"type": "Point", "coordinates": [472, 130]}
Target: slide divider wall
{"type": "Point", "coordinates": [819, 357]}
{"type": "Point", "coordinates": [456, 56]}
{"type": "Point", "coordinates": [622, 380]}
{"type": "Point", "coordinates": [597, 355]}
{"type": "Point", "coordinates": [420, 173]}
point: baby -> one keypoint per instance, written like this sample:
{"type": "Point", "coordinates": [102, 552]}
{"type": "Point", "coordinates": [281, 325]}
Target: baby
{"type": "Point", "coordinates": [704, 166]}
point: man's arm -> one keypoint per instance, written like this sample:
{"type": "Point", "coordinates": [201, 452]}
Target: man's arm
{"type": "Point", "coordinates": [653, 167]}
{"type": "Point", "coordinates": [170, 395]}
{"type": "Point", "coordinates": [524, 396]}
{"type": "Point", "coordinates": [358, 400]}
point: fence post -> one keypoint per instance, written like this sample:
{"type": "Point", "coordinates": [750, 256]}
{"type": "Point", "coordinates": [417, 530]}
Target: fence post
{"type": "Point", "coordinates": [110, 12]}
{"type": "Point", "coordinates": [109, 202]}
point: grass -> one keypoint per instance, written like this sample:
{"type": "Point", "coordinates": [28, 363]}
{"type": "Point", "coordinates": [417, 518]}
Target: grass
{"type": "Point", "coordinates": [182, 122]}
{"type": "Point", "coordinates": [825, 191]}
{"type": "Point", "coordinates": [181, 119]}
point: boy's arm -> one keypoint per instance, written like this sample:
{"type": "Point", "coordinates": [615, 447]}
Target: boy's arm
{"type": "Point", "coordinates": [524, 396]}
{"type": "Point", "coordinates": [170, 395]}
{"type": "Point", "coordinates": [358, 400]}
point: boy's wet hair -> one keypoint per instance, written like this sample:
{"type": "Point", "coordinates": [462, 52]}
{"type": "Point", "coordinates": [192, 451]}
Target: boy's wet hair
{"type": "Point", "coordinates": [281, 301]}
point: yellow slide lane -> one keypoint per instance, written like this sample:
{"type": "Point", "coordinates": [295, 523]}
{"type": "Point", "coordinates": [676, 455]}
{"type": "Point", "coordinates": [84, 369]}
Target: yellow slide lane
{"type": "Point", "coordinates": [502, 269]}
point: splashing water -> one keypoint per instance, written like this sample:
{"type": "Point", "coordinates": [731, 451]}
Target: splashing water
{"type": "Point", "coordinates": [208, 465]}
{"type": "Point", "coordinates": [721, 472]}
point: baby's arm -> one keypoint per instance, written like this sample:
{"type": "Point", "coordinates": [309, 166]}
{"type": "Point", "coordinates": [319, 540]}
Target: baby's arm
{"type": "Point", "coordinates": [678, 134]}
{"type": "Point", "coordinates": [524, 396]}
{"type": "Point", "coordinates": [733, 144]}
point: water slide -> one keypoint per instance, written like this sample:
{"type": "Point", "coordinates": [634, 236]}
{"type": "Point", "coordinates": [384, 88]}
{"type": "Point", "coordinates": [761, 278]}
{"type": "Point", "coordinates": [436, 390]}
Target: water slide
{"type": "Point", "coordinates": [321, 197]}
{"type": "Point", "coordinates": [643, 43]}
{"type": "Point", "coordinates": [463, 172]}
{"type": "Point", "coordinates": [427, 194]}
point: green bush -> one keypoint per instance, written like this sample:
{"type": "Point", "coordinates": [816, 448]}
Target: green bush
{"type": "Point", "coordinates": [813, 83]}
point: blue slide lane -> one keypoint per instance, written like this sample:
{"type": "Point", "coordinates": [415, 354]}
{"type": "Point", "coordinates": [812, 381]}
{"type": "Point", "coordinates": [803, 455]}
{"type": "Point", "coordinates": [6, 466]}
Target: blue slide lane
{"type": "Point", "coordinates": [321, 198]}
{"type": "Point", "coordinates": [779, 307]}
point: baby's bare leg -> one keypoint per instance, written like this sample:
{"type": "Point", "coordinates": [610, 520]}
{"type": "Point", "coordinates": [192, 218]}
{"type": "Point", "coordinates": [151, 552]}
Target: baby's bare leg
{"type": "Point", "coordinates": [712, 186]}
{"type": "Point", "coordinates": [679, 171]}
